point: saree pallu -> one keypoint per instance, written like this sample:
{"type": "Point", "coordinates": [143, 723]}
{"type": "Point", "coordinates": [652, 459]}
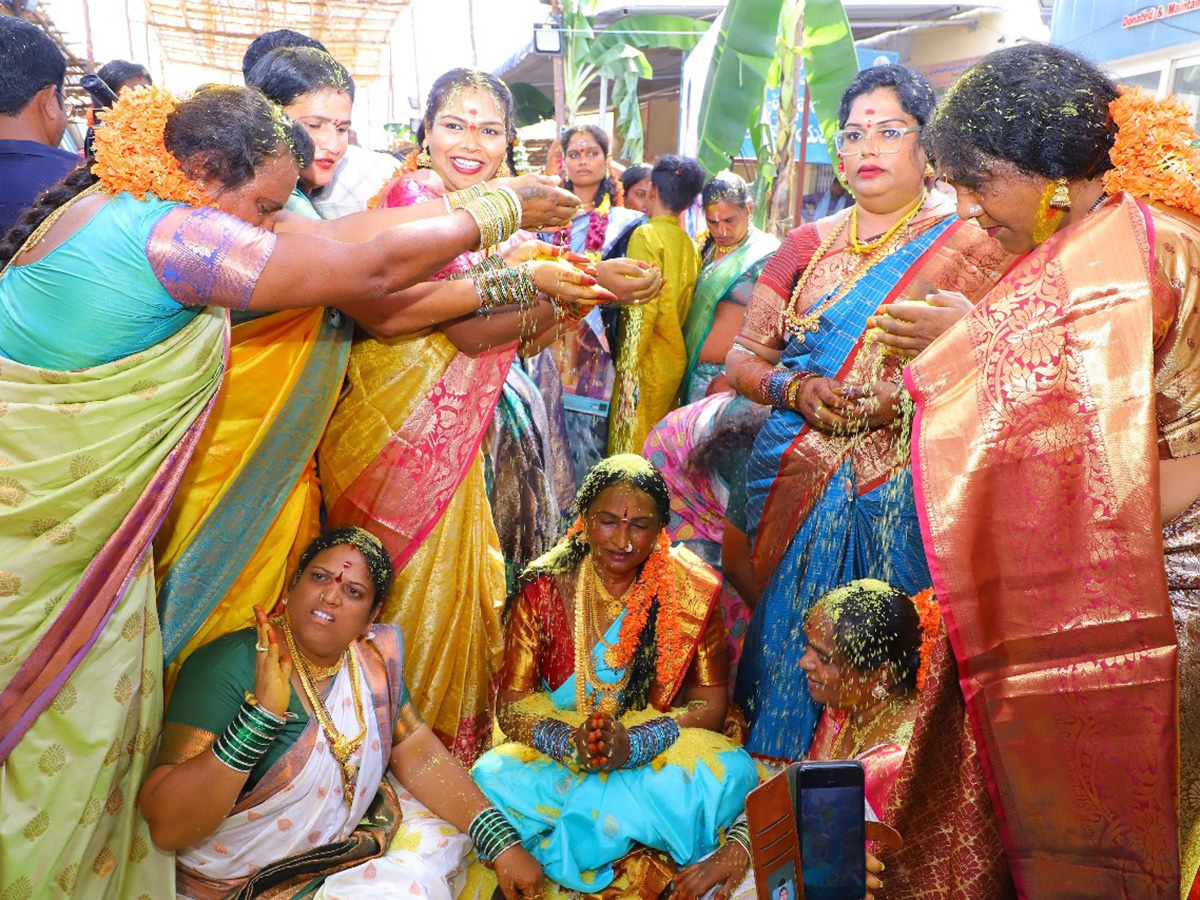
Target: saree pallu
{"type": "Point", "coordinates": [1036, 465]}
{"type": "Point", "coordinates": [401, 458]}
{"type": "Point", "coordinates": [713, 283]}
{"type": "Point", "coordinates": [828, 508]}
{"type": "Point", "coordinates": [91, 461]}
{"type": "Point", "coordinates": [250, 502]}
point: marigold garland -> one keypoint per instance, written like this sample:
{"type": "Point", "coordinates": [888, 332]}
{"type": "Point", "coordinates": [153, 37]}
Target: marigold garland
{"type": "Point", "coordinates": [1155, 152]}
{"type": "Point", "coordinates": [930, 614]}
{"type": "Point", "coordinates": [131, 155]}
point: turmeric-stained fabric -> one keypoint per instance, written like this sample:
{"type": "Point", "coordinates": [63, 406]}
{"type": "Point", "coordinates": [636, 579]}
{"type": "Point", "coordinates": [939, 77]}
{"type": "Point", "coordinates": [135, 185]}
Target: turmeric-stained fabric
{"type": "Point", "coordinates": [1041, 419]}
{"type": "Point", "coordinates": [250, 501]}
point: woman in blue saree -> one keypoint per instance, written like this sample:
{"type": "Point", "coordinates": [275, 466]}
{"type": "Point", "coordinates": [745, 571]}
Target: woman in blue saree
{"type": "Point", "coordinates": [829, 493]}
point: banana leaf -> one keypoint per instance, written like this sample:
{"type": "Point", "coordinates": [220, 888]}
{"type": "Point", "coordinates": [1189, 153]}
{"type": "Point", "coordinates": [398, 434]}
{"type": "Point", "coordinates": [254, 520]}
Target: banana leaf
{"type": "Point", "coordinates": [737, 78]}
{"type": "Point", "coordinates": [830, 62]}
{"type": "Point", "coordinates": [530, 105]}
{"type": "Point", "coordinates": [649, 31]}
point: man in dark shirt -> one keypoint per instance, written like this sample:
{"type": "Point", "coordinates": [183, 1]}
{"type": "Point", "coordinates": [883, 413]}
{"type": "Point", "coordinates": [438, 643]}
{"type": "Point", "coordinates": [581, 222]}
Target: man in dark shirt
{"type": "Point", "coordinates": [33, 117]}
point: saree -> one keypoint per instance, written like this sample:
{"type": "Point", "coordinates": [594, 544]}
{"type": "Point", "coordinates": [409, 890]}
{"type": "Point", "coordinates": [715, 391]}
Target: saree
{"type": "Point", "coordinates": [1053, 403]}
{"type": "Point", "coordinates": [280, 840]}
{"type": "Point", "coordinates": [827, 509]}
{"type": "Point", "coordinates": [579, 824]}
{"type": "Point", "coordinates": [716, 279]}
{"type": "Point", "coordinates": [91, 461]}
{"type": "Point", "coordinates": [401, 458]}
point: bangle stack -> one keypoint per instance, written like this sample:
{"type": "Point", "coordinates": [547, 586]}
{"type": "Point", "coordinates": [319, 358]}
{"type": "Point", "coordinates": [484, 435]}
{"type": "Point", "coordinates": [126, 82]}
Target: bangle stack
{"type": "Point", "coordinates": [498, 215]}
{"type": "Point", "coordinates": [503, 286]}
{"type": "Point", "coordinates": [459, 199]}
{"type": "Point", "coordinates": [739, 833]}
{"type": "Point", "coordinates": [487, 264]}
{"type": "Point", "coordinates": [248, 736]}
{"type": "Point", "coordinates": [554, 738]}
{"type": "Point", "coordinates": [649, 739]}
{"type": "Point", "coordinates": [781, 387]}
{"type": "Point", "coordinates": [492, 834]}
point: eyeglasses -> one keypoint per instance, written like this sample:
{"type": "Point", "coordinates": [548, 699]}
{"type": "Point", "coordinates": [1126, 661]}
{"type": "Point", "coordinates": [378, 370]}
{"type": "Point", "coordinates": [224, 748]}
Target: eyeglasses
{"type": "Point", "coordinates": [852, 142]}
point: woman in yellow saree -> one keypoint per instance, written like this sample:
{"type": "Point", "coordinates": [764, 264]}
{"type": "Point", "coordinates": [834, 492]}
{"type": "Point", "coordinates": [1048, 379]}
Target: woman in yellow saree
{"type": "Point", "coordinates": [401, 456]}
{"type": "Point", "coordinates": [131, 255]}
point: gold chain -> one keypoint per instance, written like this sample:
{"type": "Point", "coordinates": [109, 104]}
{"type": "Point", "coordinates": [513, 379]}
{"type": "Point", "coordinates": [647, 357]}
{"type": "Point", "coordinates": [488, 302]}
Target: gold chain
{"type": "Point", "coordinates": [341, 746]}
{"type": "Point", "coordinates": [587, 597]}
{"type": "Point", "coordinates": [802, 324]}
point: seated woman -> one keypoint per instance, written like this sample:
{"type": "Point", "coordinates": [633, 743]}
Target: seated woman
{"type": "Point", "coordinates": [615, 675]}
{"type": "Point", "coordinates": [267, 789]}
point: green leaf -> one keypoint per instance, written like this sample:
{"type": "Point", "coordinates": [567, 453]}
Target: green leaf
{"type": "Point", "coordinates": [830, 62]}
{"type": "Point", "coordinates": [737, 78]}
{"type": "Point", "coordinates": [530, 105]}
{"type": "Point", "coordinates": [649, 30]}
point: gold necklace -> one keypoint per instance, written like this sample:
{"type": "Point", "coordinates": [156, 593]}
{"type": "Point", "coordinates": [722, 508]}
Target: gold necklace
{"type": "Point", "coordinates": [858, 744]}
{"type": "Point", "coordinates": [341, 746]}
{"type": "Point", "coordinates": [587, 597]}
{"type": "Point", "coordinates": [802, 324]}
{"type": "Point", "coordinates": [857, 246]}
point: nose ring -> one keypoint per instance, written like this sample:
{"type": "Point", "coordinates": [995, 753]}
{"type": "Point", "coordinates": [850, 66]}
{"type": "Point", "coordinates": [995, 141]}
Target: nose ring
{"type": "Point", "coordinates": [629, 547]}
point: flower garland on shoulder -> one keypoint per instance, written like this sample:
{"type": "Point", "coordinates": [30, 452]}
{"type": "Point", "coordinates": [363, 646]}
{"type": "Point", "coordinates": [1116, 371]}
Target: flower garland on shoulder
{"type": "Point", "coordinates": [131, 155]}
{"type": "Point", "coordinates": [593, 242]}
{"type": "Point", "coordinates": [930, 614]}
{"type": "Point", "coordinates": [1156, 153]}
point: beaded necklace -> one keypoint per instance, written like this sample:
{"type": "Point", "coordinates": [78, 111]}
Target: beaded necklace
{"type": "Point", "coordinates": [341, 746]}
{"type": "Point", "coordinates": [588, 596]}
{"type": "Point", "coordinates": [802, 324]}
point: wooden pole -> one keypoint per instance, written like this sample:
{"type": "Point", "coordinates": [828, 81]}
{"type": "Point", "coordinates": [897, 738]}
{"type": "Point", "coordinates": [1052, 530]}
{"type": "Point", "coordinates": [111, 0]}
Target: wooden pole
{"type": "Point", "coordinates": [89, 64]}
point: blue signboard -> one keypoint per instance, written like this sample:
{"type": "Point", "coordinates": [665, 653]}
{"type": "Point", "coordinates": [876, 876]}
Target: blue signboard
{"type": "Point", "coordinates": [818, 152]}
{"type": "Point", "coordinates": [1104, 30]}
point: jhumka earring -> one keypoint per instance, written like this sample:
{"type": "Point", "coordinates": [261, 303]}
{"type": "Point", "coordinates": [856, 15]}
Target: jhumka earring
{"type": "Point", "coordinates": [505, 170]}
{"type": "Point", "coordinates": [1055, 201]}
{"type": "Point", "coordinates": [424, 160]}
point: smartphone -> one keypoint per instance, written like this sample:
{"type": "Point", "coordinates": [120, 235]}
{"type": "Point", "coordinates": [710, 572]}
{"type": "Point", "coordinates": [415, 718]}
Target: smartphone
{"type": "Point", "coordinates": [830, 818]}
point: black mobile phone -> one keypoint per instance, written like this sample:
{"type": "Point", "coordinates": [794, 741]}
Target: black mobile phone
{"type": "Point", "coordinates": [829, 816]}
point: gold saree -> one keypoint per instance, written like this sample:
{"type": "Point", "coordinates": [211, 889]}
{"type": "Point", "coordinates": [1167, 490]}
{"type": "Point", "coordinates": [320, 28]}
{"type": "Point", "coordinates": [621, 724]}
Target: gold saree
{"type": "Point", "coordinates": [1041, 419]}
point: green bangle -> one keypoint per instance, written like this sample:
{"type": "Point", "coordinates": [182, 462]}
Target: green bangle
{"type": "Point", "coordinates": [492, 834]}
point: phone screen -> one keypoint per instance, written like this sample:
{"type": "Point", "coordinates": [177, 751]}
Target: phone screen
{"type": "Point", "coordinates": [832, 837]}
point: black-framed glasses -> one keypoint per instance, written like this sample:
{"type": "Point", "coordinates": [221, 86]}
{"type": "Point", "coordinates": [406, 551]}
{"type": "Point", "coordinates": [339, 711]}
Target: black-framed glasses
{"type": "Point", "coordinates": [854, 141]}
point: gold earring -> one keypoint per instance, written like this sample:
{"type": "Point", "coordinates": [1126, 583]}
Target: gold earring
{"type": "Point", "coordinates": [1061, 198]}
{"type": "Point", "coordinates": [424, 160]}
{"type": "Point", "coordinates": [505, 170]}
{"type": "Point", "coordinates": [1053, 203]}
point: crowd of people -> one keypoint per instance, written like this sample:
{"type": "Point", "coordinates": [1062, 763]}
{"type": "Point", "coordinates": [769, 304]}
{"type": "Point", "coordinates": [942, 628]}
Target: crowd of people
{"type": "Point", "coordinates": [377, 526]}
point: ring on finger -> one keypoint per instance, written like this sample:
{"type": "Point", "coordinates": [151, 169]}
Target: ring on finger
{"type": "Point", "coordinates": [260, 648]}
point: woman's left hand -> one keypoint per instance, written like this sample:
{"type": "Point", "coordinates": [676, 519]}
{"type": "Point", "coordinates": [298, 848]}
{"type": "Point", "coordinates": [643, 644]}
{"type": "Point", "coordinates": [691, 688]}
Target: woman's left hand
{"type": "Point", "coordinates": [633, 281]}
{"type": "Point", "coordinates": [519, 874]}
{"type": "Point", "coordinates": [727, 867]}
{"type": "Point", "coordinates": [911, 327]}
{"type": "Point", "coordinates": [534, 249]}
{"type": "Point", "coordinates": [876, 404]}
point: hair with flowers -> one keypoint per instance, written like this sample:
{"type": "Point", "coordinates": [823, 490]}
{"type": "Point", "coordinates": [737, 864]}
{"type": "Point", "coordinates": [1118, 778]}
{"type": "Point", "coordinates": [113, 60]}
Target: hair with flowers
{"type": "Point", "coordinates": [1155, 153]}
{"type": "Point", "coordinates": [379, 563]}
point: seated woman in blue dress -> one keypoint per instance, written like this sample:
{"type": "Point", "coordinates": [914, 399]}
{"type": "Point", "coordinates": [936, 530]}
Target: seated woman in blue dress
{"type": "Point", "coordinates": [613, 691]}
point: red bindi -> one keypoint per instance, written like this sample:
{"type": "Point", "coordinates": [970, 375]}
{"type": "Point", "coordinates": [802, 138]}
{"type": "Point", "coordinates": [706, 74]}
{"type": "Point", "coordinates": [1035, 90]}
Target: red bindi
{"type": "Point", "coordinates": [870, 112]}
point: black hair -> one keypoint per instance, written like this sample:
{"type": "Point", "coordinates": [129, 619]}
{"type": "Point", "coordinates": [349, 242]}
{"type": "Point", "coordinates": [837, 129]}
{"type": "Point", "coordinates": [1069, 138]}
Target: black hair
{"type": "Point", "coordinates": [290, 72]}
{"type": "Point", "coordinates": [678, 180]}
{"type": "Point", "coordinates": [913, 90]}
{"type": "Point", "coordinates": [1040, 107]}
{"type": "Point", "coordinates": [460, 78]}
{"type": "Point", "coordinates": [726, 186]}
{"type": "Point", "coordinates": [379, 561]}
{"type": "Point", "coordinates": [273, 40]}
{"type": "Point", "coordinates": [634, 175]}
{"type": "Point", "coordinates": [734, 433]}
{"type": "Point", "coordinates": [116, 73]}
{"type": "Point", "coordinates": [876, 625]}
{"type": "Point", "coordinates": [231, 129]}
{"type": "Point", "coordinates": [608, 187]}
{"type": "Point", "coordinates": [29, 61]}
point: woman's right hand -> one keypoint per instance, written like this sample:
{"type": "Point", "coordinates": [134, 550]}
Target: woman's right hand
{"type": "Point", "coordinates": [519, 874]}
{"type": "Point", "coordinates": [560, 279]}
{"type": "Point", "coordinates": [727, 867]}
{"type": "Point", "coordinates": [823, 406]}
{"type": "Point", "coordinates": [544, 205]}
{"type": "Point", "coordinates": [272, 668]}
{"type": "Point", "coordinates": [632, 281]}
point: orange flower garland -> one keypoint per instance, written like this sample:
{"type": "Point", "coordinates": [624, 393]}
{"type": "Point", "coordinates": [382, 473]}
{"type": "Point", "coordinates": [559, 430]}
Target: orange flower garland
{"type": "Point", "coordinates": [131, 155]}
{"type": "Point", "coordinates": [931, 620]}
{"type": "Point", "coordinates": [657, 580]}
{"type": "Point", "coordinates": [1155, 151]}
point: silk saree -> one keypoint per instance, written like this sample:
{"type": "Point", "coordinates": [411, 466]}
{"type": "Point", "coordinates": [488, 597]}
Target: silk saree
{"type": "Point", "coordinates": [827, 509]}
{"type": "Point", "coordinates": [1041, 418]}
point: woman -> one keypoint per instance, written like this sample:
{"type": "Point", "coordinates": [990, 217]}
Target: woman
{"type": "Point", "coordinates": [732, 258]}
{"type": "Point", "coordinates": [433, 395]}
{"type": "Point", "coordinates": [579, 782]}
{"type": "Point", "coordinates": [583, 359]}
{"type": "Point", "coordinates": [635, 187]}
{"type": "Point", "coordinates": [829, 495]}
{"type": "Point", "coordinates": [866, 662]}
{"type": "Point", "coordinates": [97, 433]}
{"type": "Point", "coordinates": [253, 500]}
{"type": "Point", "coordinates": [241, 776]}
{"type": "Point", "coordinates": [1055, 460]}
